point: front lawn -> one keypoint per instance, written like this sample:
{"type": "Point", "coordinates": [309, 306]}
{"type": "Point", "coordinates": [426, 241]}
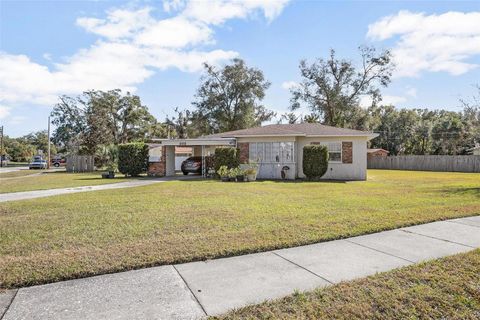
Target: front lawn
{"type": "Point", "coordinates": [77, 235]}
{"type": "Point", "coordinates": [20, 181]}
{"type": "Point", "coordinates": [16, 174]}
{"type": "Point", "coordinates": [447, 288]}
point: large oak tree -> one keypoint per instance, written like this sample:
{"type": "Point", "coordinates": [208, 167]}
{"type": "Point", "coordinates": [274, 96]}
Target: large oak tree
{"type": "Point", "coordinates": [229, 98]}
{"type": "Point", "coordinates": [98, 118]}
{"type": "Point", "coordinates": [332, 87]}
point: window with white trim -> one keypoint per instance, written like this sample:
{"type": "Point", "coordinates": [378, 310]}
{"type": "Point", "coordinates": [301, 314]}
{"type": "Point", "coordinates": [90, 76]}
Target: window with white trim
{"type": "Point", "coordinates": [334, 151]}
{"type": "Point", "coordinates": [271, 152]}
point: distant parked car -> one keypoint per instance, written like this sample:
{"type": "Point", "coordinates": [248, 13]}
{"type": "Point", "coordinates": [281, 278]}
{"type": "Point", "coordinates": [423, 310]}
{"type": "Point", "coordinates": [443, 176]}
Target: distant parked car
{"type": "Point", "coordinates": [192, 165]}
{"type": "Point", "coordinates": [57, 162]}
{"type": "Point", "coordinates": [38, 163]}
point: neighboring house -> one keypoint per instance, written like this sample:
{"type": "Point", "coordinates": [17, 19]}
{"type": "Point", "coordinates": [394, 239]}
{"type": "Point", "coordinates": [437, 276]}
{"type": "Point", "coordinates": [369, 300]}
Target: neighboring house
{"type": "Point", "coordinates": [277, 146]}
{"type": "Point", "coordinates": [376, 153]}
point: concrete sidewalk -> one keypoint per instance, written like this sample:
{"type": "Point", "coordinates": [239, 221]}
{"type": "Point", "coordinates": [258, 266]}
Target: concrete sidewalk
{"type": "Point", "coordinates": [14, 196]}
{"type": "Point", "coordinates": [194, 290]}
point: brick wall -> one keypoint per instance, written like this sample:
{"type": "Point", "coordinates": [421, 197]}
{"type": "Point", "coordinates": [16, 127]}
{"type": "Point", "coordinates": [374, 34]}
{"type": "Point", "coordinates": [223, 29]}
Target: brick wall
{"type": "Point", "coordinates": [347, 152]}
{"type": "Point", "coordinates": [244, 151]}
{"type": "Point", "coordinates": [158, 169]}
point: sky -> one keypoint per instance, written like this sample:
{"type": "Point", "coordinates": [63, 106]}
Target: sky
{"type": "Point", "coordinates": [156, 49]}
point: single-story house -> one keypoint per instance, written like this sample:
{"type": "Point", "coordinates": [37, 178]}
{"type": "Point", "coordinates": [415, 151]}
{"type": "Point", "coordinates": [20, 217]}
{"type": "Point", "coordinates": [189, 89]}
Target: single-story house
{"type": "Point", "coordinates": [277, 146]}
{"type": "Point", "coordinates": [377, 153]}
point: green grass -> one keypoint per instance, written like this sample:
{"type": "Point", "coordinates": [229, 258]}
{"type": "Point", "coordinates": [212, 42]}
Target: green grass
{"type": "Point", "coordinates": [51, 180]}
{"type": "Point", "coordinates": [447, 288]}
{"type": "Point", "coordinates": [17, 174]}
{"type": "Point", "coordinates": [77, 235]}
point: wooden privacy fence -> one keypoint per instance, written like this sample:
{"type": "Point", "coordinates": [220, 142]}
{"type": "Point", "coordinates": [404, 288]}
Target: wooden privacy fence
{"type": "Point", "coordinates": [467, 163]}
{"type": "Point", "coordinates": [80, 164]}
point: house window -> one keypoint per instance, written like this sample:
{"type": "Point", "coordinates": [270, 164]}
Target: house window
{"type": "Point", "coordinates": [271, 152]}
{"type": "Point", "coordinates": [334, 151]}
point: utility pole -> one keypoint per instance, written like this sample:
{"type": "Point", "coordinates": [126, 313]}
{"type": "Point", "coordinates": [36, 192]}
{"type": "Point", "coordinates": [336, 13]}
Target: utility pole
{"type": "Point", "coordinates": [1, 146]}
{"type": "Point", "coordinates": [48, 159]}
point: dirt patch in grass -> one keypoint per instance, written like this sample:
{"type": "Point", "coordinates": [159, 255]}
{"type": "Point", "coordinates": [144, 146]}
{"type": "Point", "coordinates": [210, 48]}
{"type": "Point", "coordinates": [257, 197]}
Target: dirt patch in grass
{"type": "Point", "coordinates": [447, 288]}
{"type": "Point", "coordinates": [78, 235]}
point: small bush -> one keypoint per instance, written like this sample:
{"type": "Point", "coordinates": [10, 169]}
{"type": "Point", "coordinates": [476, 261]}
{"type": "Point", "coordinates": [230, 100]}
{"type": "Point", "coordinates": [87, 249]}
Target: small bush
{"type": "Point", "coordinates": [223, 171]}
{"type": "Point", "coordinates": [228, 156]}
{"type": "Point", "coordinates": [210, 162]}
{"type": "Point", "coordinates": [315, 161]}
{"type": "Point", "coordinates": [132, 158]}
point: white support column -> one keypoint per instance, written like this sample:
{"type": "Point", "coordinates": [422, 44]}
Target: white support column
{"type": "Point", "coordinates": [204, 170]}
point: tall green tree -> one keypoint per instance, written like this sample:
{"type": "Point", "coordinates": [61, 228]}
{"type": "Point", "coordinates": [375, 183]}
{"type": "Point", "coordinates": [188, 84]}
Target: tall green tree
{"type": "Point", "coordinates": [39, 140]}
{"type": "Point", "coordinates": [18, 149]}
{"type": "Point", "coordinates": [229, 98]}
{"type": "Point", "coordinates": [448, 134]}
{"type": "Point", "coordinates": [332, 87]}
{"type": "Point", "coordinates": [180, 125]}
{"type": "Point", "coordinates": [423, 131]}
{"type": "Point", "coordinates": [69, 117]}
{"type": "Point", "coordinates": [471, 117]}
{"type": "Point", "coordinates": [102, 118]}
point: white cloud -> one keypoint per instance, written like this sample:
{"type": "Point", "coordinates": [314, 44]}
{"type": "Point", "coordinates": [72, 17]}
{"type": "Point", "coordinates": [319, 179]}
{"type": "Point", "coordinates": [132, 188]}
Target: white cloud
{"type": "Point", "coordinates": [4, 112]}
{"type": "Point", "coordinates": [435, 43]}
{"type": "Point", "coordinates": [218, 11]}
{"type": "Point", "coordinates": [393, 100]}
{"type": "Point", "coordinates": [132, 46]}
{"type": "Point", "coordinates": [176, 32]}
{"type": "Point", "coordinates": [366, 101]}
{"type": "Point", "coordinates": [120, 23]}
{"type": "Point", "coordinates": [288, 85]}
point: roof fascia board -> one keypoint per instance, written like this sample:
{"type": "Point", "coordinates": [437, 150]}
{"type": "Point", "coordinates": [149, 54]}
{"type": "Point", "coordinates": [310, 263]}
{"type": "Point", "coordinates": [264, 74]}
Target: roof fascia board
{"type": "Point", "coordinates": [271, 135]}
{"type": "Point", "coordinates": [194, 142]}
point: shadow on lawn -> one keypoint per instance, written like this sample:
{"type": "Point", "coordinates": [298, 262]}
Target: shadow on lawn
{"type": "Point", "coordinates": [117, 178]}
{"type": "Point", "coordinates": [258, 181]}
{"type": "Point", "coordinates": [474, 191]}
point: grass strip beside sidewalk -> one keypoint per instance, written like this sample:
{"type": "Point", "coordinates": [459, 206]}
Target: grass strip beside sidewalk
{"type": "Point", "coordinates": [447, 288]}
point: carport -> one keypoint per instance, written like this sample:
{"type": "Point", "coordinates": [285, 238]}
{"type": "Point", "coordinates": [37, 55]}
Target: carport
{"type": "Point", "coordinates": [162, 152]}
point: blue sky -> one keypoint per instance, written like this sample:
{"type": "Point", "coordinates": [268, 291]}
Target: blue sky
{"type": "Point", "coordinates": [155, 49]}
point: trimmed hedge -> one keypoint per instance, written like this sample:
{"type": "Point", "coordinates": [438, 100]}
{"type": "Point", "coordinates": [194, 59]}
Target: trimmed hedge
{"type": "Point", "coordinates": [227, 156]}
{"type": "Point", "coordinates": [132, 158]}
{"type": "Point", "coordinates": [315, 161]}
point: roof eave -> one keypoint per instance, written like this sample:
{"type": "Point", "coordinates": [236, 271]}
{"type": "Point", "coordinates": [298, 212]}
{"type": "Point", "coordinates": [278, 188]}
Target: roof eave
{"type": "Point", "coordinates": [269, 135]}
{"type": "Point", "coordinates": [367, 135]}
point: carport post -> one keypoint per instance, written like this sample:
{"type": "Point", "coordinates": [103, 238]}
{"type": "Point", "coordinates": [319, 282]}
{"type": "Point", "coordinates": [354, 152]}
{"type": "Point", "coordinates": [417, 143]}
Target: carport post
{"type": "Point", "coordinates": [203, 162]}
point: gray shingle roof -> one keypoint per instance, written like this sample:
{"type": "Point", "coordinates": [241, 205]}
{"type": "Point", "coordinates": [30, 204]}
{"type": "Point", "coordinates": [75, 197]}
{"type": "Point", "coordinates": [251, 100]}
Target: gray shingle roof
{"type": "Point", "coordinates": [297, 129]}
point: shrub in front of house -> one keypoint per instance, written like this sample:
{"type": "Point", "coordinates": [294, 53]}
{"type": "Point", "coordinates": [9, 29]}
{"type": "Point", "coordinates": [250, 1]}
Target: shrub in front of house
{"type": "Point", "coordinates": [223, 172]}
{"type": "Point", "coordinates": [132, 158]}
{"type": "Point", "coordinates": [315, 161]}
{"type": "Point", "coordinates": [229, 157]}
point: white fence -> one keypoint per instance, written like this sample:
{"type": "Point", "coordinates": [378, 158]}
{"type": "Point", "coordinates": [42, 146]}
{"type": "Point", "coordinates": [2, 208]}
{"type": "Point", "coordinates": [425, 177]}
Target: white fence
{"type": "Point", "coordinates": [467, 163]}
